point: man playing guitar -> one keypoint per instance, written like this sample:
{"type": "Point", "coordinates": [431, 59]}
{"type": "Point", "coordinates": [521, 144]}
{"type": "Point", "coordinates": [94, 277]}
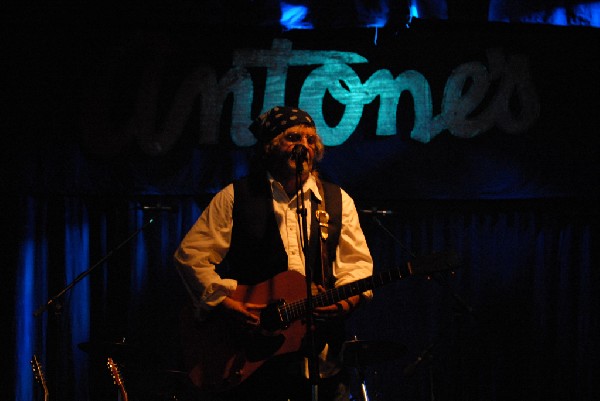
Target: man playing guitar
{"type": "Point", "coordinates": [243, 264]}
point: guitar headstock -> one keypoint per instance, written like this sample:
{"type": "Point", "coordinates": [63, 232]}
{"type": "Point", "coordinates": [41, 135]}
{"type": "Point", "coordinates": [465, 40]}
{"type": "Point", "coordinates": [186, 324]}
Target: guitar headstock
{"type": "Point", "coordinates": [116, 375]}
{"type": "Point", "coordinates": [434, 263]}
{"type": "Point", "coordinates": [114, 371]}
{"type": "Point", "coordinates": [38, 374]}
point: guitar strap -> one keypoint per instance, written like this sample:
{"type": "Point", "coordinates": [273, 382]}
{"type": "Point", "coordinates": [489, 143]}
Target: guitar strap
{"type": "Point", "coordinates": [323, 220]}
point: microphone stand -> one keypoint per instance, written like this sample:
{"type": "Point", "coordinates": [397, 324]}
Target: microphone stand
{"type": "Point", "coordinates": [56, 306]}
{"type": "Point", "coordinates": [388, 232]}
{"type": "Point", "coordinates": [313, 362]}
{"type": "Point", "coordinates": [426, 354]}
{"type": "Point", "coordinates": [52, 302]}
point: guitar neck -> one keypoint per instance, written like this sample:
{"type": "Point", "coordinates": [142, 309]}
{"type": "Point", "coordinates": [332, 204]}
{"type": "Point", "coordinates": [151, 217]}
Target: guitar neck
{"type": "Point", "coordinates": [357, 287]}
{"type": "Point", "coordinates": [297, 310]}
{"type": "Point", "coordinates": [424, 265]}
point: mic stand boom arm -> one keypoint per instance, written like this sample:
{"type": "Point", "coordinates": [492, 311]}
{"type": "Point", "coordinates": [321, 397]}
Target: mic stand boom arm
{"type": "Point", "coordinates": [52, 301]}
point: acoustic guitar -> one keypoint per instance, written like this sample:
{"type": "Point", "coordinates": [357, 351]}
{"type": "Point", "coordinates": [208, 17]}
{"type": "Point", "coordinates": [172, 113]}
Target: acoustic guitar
{"type": "Point", "coordinates": [219, 355]}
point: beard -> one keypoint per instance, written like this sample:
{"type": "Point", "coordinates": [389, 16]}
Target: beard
{"type": "Point", "coordinates": [283, 166]}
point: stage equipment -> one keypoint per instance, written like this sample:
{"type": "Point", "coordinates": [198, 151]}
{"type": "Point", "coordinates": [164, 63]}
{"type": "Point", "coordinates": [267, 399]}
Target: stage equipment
{"type": "Point", "coordinates": [360, 354]}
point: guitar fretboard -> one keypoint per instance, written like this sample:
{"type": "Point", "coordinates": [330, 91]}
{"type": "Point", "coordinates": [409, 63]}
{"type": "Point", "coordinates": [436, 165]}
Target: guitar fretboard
{"type": "Point", "coordinates": [296, 310]}
{"type": "Point", "coordinates": [425, 265]}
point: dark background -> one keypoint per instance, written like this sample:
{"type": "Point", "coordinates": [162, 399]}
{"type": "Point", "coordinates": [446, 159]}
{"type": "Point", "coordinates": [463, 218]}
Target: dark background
{"type": "Point", "coordinates": [518, 319]}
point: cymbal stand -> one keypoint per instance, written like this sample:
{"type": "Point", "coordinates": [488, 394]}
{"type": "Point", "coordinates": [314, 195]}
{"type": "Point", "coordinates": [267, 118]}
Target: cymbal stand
{"type": "Point", "coordinates": [360, 371]}
{"type": "Point", "coordinates": [426, 354]}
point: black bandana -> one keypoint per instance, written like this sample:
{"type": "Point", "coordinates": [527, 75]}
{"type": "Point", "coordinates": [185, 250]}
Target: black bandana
{"type": "Point", "coordinates": [273, 122]}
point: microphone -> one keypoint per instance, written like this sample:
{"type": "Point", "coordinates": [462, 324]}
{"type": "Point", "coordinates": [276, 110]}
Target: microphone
{"type": "Point", "coordinates": [299, 153]}
{"type": "Point", "coordinates": [159, 208]}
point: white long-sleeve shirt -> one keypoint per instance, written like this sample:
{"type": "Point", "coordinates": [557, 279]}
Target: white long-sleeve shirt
{"type": "Point", "coordinates": [207, 243]}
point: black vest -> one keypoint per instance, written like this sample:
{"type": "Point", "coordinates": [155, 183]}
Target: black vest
{"type": "Point", "coordinates": [257, 253]}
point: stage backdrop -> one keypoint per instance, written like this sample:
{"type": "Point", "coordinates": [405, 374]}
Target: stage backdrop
{"type": "Point", "coordinates": [436, 111]}
{"type": "Point", "coordinates": [480, 139]}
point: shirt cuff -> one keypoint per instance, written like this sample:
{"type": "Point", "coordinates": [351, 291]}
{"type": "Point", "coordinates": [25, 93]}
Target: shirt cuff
{"type": "Point", "coordinates": [215, 293]}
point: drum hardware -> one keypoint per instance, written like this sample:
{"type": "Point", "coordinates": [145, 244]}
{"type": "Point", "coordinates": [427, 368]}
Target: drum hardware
{"type": "Point", "coordinates": [360, 354]}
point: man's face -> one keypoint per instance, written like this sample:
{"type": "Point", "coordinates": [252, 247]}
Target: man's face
{"type": "Point", "coordinates": [280, 150]}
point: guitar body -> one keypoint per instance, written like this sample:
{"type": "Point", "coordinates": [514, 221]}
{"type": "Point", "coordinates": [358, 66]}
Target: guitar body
{"type": "Point", "coordinates": [219, 354]}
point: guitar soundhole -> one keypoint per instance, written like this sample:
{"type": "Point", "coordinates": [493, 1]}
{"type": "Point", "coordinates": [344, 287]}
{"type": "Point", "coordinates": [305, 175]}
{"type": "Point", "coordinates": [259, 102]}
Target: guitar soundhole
{"type": "Point", "coordinates": [270, 317]}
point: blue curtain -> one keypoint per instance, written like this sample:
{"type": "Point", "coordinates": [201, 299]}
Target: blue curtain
{"type": "Point", "coordinates": [516, 320]}
{"type": "Point", "coordinates": [86, 275]}
{"type": "Point", "coordinates": [511, 322]}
